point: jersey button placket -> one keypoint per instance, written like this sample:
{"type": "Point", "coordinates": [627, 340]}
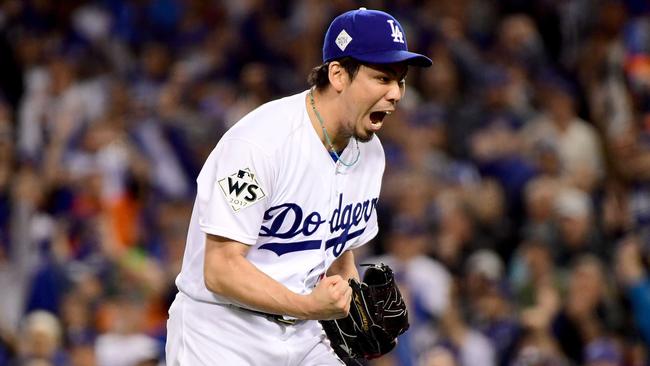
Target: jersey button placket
{"type": "Point", "coordinates": [333, 202]}
{"type": "Point", "coordinates": [338, 186]}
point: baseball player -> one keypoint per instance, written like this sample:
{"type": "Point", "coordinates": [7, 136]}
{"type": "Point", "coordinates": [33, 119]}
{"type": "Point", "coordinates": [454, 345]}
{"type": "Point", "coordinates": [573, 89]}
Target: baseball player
{"type": "Point", "coordinates": [285, 195]}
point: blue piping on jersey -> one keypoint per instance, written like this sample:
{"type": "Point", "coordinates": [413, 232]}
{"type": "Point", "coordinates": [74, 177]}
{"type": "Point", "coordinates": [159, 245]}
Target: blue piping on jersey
{"type": "Point", "coordinates": [338, 243]}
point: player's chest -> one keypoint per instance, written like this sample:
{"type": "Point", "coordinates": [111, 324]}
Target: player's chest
{"type": "Point", "coordinates": [321, 186]}
{"type": "Point", "coordinates": [318, 202]}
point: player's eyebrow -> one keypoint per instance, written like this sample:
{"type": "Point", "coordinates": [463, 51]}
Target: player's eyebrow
{"type": "Point", "coordinates": [392, 70]}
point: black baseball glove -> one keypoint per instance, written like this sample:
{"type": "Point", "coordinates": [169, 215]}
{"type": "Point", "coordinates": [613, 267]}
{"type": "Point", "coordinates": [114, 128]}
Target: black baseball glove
{"type": "Point", "coordinates": [377, 316]}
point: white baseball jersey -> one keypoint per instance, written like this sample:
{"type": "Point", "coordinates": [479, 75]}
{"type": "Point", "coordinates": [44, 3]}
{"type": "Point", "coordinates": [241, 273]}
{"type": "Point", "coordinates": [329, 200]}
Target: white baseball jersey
{"type": "Point", "coordinates": [271, 184]}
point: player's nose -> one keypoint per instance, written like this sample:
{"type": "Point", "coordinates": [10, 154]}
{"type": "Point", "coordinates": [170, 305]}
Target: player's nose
{"type": "Point", "coordinates": [395, 92]}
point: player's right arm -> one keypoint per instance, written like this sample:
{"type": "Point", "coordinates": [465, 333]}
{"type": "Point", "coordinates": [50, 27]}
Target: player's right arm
{"type": "Point", "coordinates": [228, 273]}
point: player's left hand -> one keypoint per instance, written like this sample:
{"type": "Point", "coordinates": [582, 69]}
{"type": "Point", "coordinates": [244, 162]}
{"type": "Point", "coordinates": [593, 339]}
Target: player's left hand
{"type": "Point", "coordinates": [377, 317]}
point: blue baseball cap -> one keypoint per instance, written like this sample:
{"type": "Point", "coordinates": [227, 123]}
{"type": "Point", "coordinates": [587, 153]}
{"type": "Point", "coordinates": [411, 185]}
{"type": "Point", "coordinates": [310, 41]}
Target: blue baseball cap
{"type": "Point", "coordinates": [370, 36]}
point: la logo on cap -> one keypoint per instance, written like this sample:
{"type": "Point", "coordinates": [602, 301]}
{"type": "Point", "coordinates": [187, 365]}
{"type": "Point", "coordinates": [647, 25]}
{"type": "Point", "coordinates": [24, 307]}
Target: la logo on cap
{"type": "Point", "coordinates": [397, 35]}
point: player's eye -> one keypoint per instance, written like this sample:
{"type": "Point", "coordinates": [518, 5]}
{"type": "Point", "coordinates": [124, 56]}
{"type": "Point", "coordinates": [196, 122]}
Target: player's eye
{"type": "Point", "coordinates": [384, 79]}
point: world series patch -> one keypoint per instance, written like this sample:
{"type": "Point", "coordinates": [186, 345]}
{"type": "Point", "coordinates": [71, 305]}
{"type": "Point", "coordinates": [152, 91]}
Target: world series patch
{"type": "Point", "coordinates": [241, 189]}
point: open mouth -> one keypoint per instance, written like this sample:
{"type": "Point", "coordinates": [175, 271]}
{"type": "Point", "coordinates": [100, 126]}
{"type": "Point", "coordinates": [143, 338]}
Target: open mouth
{"type": "Point", "coordinates": [377, 118]}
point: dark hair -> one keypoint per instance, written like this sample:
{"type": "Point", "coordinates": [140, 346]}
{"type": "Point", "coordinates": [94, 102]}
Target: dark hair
{"type": "Point", "coordinates": [319, 75]}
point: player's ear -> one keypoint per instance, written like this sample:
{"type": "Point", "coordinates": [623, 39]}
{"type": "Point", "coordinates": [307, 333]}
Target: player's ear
{"type": "Point", "coordinates": [338, 76]}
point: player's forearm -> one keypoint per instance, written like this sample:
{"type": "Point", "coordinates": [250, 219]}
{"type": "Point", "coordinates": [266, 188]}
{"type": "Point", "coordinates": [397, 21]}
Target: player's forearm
{"type": "Point", "coordinates": [344, 266]}
{"type": "Point", "coordinates": [228, 273]}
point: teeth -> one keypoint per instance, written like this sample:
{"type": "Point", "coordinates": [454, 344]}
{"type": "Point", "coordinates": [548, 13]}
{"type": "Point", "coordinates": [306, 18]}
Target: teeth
{"type": "Point", "coordinates": [388, 113]}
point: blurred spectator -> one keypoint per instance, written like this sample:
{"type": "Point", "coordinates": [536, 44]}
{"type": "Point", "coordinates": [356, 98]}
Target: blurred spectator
{"type": "Point", "coordinates": [539, 198]}
{"type": "Point", "coordinates": [633, 276]}
{"type": "Point", "coordinates": [588, 314]}
{"type": "Point", "coordinates": [533, 272]}
{"type": "Point", "coordinates": [423, 282]}
{"type": "Point", "coordinates": [602, 352]}
{"type": "Point", "coordinates": [470, 346]}
{"type": "Point", "coordinates": [494, 228]}
{"type": "Point", "coordinates": [78, 324]}
{"type": "Point", "coordinates": [40, 339]}
{"type": "Point", "coordinates": [439, 356]}
{"type": "Point", "coordinates": [577, 233]}
{"type": "Point", "coordinates": [456, 234]}
{"type": "Point", "coordinates": [519, 42]}
{"type": "Point", "coordinates": [537, 345]}
{"type": "Point", "coordinates": [488, 296]}
{"type": "Point", "coordinates": [82, 355]}
{"type": "Point", "coordinates": [123, 343]}
{"type": "Point", "coordinates": [616, 217]}
{"type": "Point", "coordinates": [578, 144]}
{"type": "Point", "coordinates": [411, 197]}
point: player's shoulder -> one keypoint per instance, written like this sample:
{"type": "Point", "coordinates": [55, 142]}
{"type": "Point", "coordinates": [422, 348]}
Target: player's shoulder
{"type": "Point", "coordinates": [269, 125]}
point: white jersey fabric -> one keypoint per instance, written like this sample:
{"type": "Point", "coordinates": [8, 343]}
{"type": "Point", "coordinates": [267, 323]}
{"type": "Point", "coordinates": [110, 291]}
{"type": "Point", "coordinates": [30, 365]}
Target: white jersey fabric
{"type": "Point", "coordinates": [205, 334]}
{"type": "Point", "coordinates": [271, 184]}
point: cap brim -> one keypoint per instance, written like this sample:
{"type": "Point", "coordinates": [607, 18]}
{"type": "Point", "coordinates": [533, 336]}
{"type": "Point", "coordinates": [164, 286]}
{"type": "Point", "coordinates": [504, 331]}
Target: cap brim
{"type": "Point", "coordinates": [393, 56]}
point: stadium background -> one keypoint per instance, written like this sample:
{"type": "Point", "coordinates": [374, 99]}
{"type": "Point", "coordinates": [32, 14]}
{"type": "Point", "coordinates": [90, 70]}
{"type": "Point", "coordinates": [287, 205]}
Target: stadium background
{"type": "Point", "coordinates": [516, 200]}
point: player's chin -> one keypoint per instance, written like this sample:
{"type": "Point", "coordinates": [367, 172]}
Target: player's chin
{"type": "Point", "coordinates": [365, 136]}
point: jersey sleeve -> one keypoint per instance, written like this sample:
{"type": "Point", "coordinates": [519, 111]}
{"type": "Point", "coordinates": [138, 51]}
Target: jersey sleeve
{"type": "Point", "coordinates": [233, 190]}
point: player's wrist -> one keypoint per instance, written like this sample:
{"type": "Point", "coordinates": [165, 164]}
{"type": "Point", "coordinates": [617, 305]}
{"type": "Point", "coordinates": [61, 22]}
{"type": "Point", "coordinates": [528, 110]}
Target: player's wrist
{"type": "Point", "coordinates": [303, 307]}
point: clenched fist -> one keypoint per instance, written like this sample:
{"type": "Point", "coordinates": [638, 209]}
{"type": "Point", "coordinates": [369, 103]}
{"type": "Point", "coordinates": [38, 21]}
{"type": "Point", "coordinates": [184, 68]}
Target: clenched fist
{"type": "Point", "coordinates": [330, 299]}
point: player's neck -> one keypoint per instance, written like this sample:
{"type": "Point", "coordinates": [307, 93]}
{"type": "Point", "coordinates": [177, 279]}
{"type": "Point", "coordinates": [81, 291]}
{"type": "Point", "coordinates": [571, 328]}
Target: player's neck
{"type": "Point", "coordinates": [325, 103]}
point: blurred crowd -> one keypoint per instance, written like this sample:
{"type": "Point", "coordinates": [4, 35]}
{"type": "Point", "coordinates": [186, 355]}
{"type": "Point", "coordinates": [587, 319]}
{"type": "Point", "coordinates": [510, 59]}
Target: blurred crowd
{"type": "Point", "coordinates": [516, 200]}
